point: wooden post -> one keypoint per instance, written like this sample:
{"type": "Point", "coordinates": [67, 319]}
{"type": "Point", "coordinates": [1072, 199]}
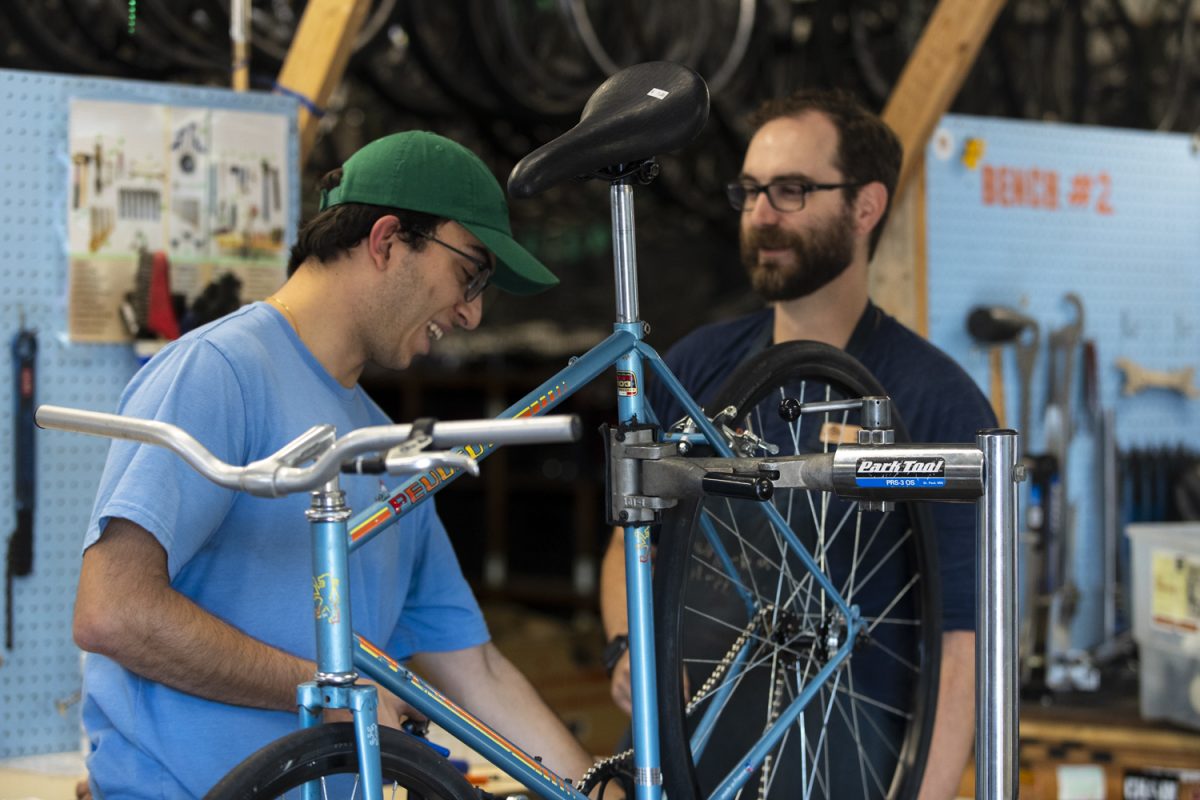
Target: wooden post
{"type": "Point", "coordinates": [928, 85]}
{"type": "Point", "coordinates": [239, 37]}
{"type": "Point", "coordinates": [935, 72]}
{"type": "Point", "coordinates": [318, 56]}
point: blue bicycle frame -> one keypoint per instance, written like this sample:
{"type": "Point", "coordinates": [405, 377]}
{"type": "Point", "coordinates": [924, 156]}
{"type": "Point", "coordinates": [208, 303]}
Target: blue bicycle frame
{"type": "Point", "coordinates": [626, 350]}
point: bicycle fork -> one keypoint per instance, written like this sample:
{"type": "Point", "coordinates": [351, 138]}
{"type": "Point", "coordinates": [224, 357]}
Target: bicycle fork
{"type": "Point", "coordinates": [334, 684]}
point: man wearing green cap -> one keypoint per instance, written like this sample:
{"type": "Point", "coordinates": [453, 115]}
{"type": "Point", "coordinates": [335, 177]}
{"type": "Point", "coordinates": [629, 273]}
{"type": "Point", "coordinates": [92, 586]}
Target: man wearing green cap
{"type": "Point", "coordinates": [194, 601]}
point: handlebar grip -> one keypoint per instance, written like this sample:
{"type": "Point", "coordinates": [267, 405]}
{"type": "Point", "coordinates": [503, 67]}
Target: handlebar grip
{"type": "Point", "coordinates": [524, 430]}
{"type": "Point", "coordinates": [96, 423]}
{"type": "Point", "coordinates": [742, 487]}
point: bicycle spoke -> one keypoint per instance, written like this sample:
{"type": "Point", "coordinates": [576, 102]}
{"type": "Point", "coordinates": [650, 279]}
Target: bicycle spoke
{"type": "Point", "coordinates": [845, 742]}
{"type": "Point", "coordinates": [912, 582]}
{"type": "Point", "coordinates": [866, 549]}
{"type": "Point", "coordinates": [864, 764]}
{"type": "Point", "coordinates": [875, 643]}
{"type": "Point", "coordinates": [880, 705]}
{"type": "Point", "coordinates": [883, 738]}
{"type": "Point", "coordinates": [895, 546]}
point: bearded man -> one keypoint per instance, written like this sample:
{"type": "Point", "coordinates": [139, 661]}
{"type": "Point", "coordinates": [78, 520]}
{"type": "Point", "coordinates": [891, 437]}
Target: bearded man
{"type": "Point", "coordinates": [816, 184]}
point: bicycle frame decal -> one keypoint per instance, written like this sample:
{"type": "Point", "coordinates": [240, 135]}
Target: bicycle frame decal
{"type": "Point", "coordinates": [582, 370]}
{"type": "Point", "coordinates": [378, 654]}
{"type": "Point", "coordinates": [327, 598]}
{"type": "Point", "coordinates": [643, 545]}
{"type": "Point", "coordinates": [626, 383]}
{"type": "Point", "coordinates": [543, 402]}
{"type": "Point", "coordinates": [416, 490]}
{"type": "Point", "coordinates": [380, 517]}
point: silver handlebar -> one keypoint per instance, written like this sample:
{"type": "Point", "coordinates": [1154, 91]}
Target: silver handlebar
{"type": "Point", "coordinates": [279, 473]}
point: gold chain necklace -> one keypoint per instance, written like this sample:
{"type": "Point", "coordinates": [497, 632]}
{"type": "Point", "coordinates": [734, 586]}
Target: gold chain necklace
{"type": "Point", "coordinates": [287, 312]}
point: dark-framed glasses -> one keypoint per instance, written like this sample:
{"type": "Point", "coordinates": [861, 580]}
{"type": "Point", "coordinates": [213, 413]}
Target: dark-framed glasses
{"type": "Point", "coordinates": [483, 269]}
{"type": "Point", "coordinates": [783, 195]}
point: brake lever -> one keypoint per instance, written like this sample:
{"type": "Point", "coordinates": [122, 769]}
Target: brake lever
{"type": "Point", "coordinates": [403, 464]}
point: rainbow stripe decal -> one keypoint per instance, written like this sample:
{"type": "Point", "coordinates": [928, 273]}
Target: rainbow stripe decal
{"type": "Point", "coordinates": [371, 524]}
{"type": "Point", "coordinates": [422, 486]}
{"type": "Point", "coordinates": [463, 715]}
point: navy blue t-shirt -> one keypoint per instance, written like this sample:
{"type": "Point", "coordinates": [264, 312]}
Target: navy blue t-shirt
{"type": "Point", "coordinates": [935, 397]}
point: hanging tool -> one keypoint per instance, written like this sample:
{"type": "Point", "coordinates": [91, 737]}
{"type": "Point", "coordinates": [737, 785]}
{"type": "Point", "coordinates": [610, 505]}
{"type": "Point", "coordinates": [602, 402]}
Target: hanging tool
{"type": "Point", "coordinates": [19, 562]}
{"type": "Point", "coordinates": [266, 190]}
{"type": "Point", "coordinates": [1044, 519]}
{"type": "Point", "coordinates": [99, 162]}
{"type": "Point", "coordinates": [79, 186]}
{"type": "Point", "coordinates": [1000, 326]}
{"type": "Point", "coordinates": [1065, 668]}
{"type": "Point", "coordinates": [1139, 378]}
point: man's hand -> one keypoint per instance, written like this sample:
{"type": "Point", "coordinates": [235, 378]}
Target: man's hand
{"type": "Point", "coordinates": [622, 691]}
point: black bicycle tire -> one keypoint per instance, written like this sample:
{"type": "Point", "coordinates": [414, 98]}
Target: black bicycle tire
{"type": "Point", "coordinates": [531, 89]}
{"type": "Point", "coordinates": [789, 360]}
{"type": "Point", "coordinates": [313, 753]}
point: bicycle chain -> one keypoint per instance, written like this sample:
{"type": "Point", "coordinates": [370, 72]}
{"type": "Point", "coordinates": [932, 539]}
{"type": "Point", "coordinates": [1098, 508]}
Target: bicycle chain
{"type": "Point", "coordinates": [764, 780]}
{"type": "Point", "coordinates": [723, 665]}
{"type": "Point", "coordinates": [619, 766]}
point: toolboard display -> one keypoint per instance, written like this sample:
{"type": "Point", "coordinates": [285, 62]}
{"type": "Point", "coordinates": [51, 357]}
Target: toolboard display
{"type": "Point", "coordinates": [50, 181]}
{"type": "Point", "coordinates": [1064, 274]}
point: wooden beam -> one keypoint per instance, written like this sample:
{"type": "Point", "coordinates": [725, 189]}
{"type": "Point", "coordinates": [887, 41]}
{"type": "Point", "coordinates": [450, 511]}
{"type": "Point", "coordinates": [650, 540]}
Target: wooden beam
{"type": "Point", "coordinates": [318, 56]}
{"type": "Point", "coordinates": [935, 72]}
{"type": "Point", "coordinates": [928, 85]}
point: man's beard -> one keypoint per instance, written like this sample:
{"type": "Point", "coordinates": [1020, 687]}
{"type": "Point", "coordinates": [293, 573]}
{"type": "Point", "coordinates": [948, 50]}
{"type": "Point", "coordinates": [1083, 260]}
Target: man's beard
{"type": "Point", "coordinates": [820, 256]}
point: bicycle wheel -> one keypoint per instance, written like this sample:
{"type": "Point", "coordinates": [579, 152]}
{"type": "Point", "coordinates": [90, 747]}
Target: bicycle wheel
{"type": "Point", "coordinates": [742, 627]}
{"type": "Point", "coordinates": [328, 754]}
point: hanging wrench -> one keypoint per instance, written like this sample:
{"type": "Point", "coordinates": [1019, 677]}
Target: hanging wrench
{"type": "Point", "coordinates": [1063, 343]}
{"type": "Point", "coordinates": [1061, 541]}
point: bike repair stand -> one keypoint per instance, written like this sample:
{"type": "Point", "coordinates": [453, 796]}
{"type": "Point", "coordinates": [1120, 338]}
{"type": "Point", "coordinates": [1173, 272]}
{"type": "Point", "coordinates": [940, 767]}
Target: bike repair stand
{"type": "Point", "coordinates": [645, 476]}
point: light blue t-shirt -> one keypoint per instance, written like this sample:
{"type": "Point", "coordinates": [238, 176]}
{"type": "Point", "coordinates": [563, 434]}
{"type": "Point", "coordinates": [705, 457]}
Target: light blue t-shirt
{"type": "Point", "coordinates": [245, 385]}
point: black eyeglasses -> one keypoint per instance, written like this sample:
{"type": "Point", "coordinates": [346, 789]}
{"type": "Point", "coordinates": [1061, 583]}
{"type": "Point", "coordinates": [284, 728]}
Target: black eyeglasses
{"type": "Point", "coordinates": [782, 195]}
{"type": "Point", "coordinates": [483, 269]}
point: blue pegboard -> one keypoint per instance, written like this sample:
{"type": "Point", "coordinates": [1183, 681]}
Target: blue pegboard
{"type": "Point", "coordinates": [1129, 247]}
{"type": "Point", "coordinates": [41, 674]}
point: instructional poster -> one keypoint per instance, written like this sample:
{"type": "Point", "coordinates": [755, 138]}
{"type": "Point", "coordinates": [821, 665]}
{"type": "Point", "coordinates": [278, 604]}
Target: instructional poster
{"type": "Point", "coordinates": [165, 204]}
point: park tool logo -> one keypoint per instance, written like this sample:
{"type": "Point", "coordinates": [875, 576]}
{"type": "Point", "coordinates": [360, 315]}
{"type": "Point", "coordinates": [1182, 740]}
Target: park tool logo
{"type": "Point", "coordinates": [899, 473]}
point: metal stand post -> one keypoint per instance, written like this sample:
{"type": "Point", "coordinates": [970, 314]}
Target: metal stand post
{"type": "Point", "coordinates": [996, 620]}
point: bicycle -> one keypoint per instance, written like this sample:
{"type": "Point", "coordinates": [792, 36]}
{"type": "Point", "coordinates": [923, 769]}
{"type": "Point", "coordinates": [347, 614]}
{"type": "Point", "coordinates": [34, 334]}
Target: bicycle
{"type": "Point", "coordinates": [647, 109]}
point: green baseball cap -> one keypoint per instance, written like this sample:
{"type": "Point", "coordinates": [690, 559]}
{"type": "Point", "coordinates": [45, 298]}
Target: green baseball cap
{"type": "Point", "coordinates": [421, 171]}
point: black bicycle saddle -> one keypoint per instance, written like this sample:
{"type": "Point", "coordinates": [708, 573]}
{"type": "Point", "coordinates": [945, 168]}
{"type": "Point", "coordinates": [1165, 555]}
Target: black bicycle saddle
{"type": "Point", "coordinates": [638, 113]}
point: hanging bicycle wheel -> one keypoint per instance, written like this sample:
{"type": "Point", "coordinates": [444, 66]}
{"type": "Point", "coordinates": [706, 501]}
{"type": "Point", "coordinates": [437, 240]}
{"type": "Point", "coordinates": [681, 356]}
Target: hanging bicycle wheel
{"type": "Point", "coordinates": [743, 628]}
{"type": "Point", "coordinates": [327, 754]}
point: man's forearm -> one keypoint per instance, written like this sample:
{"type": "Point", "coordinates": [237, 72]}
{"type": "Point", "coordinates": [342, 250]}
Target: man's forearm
{"type": "Point", "coordinates": [483, 680]}
{"type": "Point", "coordinates": [127, 610]}
{"type": "Point", "coordinates": [614, 612]}
{"type": "Point", "coordinates": [954, 725]}
{"type": "Point", "coordinates": [188, 649]}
